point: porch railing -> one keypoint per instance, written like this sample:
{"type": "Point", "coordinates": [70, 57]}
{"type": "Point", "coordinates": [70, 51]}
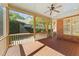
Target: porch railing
{"type": "Point", "coordinates": [15, 39]}
{"type": "Point", "coordinates": [20, 38]}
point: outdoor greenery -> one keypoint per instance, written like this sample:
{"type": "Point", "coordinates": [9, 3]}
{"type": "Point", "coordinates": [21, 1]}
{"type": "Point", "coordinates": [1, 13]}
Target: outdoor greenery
{"type": "Point", "coordinates": [1, 11]}
{"type": "Point", "coordinates": [39, 21]}
{"type": "Point", "coordinates": [40, 24]}
{"type": "Point", "coordinates": [15, 25]}
{"type": "Point", "coordinates": [1, 20]}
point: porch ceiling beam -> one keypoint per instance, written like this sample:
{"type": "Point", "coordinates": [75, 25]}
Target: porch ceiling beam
{"type": "Point", "coordinates": [11, 6]}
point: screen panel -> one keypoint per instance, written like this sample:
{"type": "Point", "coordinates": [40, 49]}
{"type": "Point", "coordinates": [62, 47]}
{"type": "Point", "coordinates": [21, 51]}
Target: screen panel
{"type": "Point", "coordinates": [20, 22]}
{"type": "Point", "coordinates": [1, 21]}
{"type": "Point", "coordinates": [40, 24]}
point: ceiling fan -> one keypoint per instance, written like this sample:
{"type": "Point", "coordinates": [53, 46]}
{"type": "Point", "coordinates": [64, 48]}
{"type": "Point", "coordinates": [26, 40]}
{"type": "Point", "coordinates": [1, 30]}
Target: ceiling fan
{"type": "Point", "coordinates": [53, 7]}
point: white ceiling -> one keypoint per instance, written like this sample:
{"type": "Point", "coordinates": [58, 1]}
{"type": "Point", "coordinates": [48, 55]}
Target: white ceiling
{"type": "Point", "coordinates": [67, 9]}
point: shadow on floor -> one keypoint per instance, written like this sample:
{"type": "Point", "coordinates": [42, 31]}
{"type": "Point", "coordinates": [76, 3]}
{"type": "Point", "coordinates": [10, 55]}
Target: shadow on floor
{"type": "Point", "coordinates": [23, 53]}
{"type": "Point", "coordinates": [22, 50]}
{"type": "Point", "coordinates": [36, 51]}
{"type": "Point", "coordinates": [64, 47]}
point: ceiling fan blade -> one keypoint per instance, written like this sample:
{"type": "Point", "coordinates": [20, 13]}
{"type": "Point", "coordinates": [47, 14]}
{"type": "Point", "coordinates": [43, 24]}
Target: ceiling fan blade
{"type": "Point", "coordinates": [58, 6]}
{"type": "Point", "coordinates": [56, 11]}
{"type": "Point", "coordinates": [54, 4]}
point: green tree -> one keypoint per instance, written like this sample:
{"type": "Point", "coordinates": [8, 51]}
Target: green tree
{"type": "Point", "coordinates": [14, 25]}
{"type": "Point", "coordinates": [1, 10]}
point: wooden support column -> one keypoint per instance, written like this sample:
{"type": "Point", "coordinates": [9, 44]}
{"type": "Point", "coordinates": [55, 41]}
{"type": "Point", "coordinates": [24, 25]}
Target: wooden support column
{"type": "Point", "coordinates": [51, 27]}
{"type": "Point", "coordinates": [47, 26]}
{"type": "Point", "coordinates": [6, 23]}
{"type": "Point", "coordinates": [34, 26]}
